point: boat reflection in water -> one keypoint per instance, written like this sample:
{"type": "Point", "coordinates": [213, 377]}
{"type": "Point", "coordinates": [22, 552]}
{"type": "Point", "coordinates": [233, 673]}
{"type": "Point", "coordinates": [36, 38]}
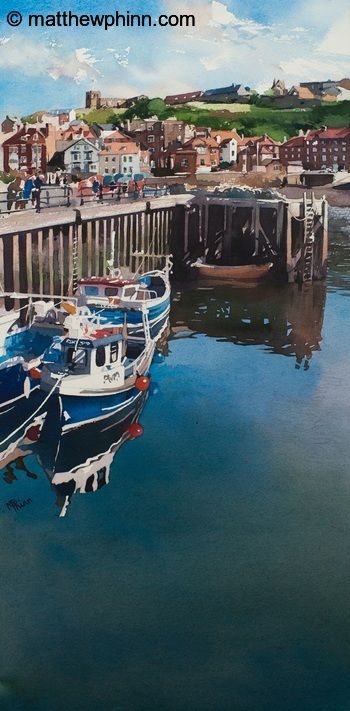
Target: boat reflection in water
{"type": "Point", "coordinates": [74, 461]}
{"type": "Point", "coordinates": [77, 461]}
{"type": "Point", "coordinates": [80, 459]}
{"type": "Point", "coordinates": [286, 319]}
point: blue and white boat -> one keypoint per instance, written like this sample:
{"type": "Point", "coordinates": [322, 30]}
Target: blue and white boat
{"type": "Point", "coordinates": [151, 290]}
{"type": "Point", "coordinates": [97, 371]}
{"type": "Point", "coordinates": [22, 347]}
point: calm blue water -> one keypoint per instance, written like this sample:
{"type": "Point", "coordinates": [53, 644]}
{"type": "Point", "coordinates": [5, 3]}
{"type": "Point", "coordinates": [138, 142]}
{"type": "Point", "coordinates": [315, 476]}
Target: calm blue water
{"type": "Point", "coordinates": [212, 572]}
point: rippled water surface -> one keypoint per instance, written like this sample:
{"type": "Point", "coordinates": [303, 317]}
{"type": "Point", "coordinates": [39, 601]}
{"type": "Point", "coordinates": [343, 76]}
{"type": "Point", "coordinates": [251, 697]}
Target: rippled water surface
{"type": "Point", "coordinates": [212, 572]}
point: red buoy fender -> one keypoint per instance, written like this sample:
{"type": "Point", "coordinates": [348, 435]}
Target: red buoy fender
{"type": "Point", "coordinates": [142, 383]}
{"type": "Point", "coordinates": [135, 430]}
{"type": "Point", "coordinates": [35, 373]}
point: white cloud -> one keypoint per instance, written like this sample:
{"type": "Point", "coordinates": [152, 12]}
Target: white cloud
{"type": "Point", "coordinates": [122, 58]}
{"type": "Point", "coordinates": [306, 69]}
{"type": "Point", "coordinates": [42, 58]}
{"type": "Point", "coordinates": [224, 47]}
{"type": "Point", "coordinates": [336, 40]}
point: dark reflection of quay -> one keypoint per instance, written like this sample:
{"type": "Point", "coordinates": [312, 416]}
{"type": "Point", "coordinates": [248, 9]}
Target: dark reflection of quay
{"type": "Point", "coordinates": [287, 319]}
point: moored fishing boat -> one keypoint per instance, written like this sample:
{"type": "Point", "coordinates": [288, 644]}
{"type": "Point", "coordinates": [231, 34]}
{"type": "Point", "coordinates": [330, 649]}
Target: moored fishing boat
{"type": "Point", "coordinates": [23, 346]}
{"type": "Point", "coordinates": [151, 290]}
{"type": "Point", "coordinates": [97, 371]}
{"type": "Point", "coordinates": [241, 274]}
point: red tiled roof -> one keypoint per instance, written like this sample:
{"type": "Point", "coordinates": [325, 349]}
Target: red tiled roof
{"type": "Point", "coordinates": [294, 142]}
{"type": "Point", "coordinates": [329, 133]}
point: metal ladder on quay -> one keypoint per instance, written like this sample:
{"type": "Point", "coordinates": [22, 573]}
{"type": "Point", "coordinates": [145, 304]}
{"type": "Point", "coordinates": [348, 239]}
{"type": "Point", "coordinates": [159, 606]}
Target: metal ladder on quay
{"type": "Point", "coordinates": [309, 240]}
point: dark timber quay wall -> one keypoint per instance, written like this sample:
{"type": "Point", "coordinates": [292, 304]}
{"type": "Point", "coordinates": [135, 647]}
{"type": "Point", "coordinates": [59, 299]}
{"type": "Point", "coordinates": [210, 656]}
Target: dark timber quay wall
{"type": "Point", "coordinates": [38, 259]}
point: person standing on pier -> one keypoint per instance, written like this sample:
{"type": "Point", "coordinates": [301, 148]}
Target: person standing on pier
{"type": "Point", "coordinates": [38, 184]}
{"type": "Point", "coordinates": [95, 187]}
{"type": "Point", "coordinates": [27, 190]}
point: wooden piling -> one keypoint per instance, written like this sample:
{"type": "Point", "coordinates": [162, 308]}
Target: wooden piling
{"type": "Point", "coordinates": [40, 259]}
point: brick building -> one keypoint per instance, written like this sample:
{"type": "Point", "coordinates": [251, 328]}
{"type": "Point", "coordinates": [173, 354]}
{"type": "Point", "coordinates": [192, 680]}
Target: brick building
{"type": "Point", "coordinates": [319, 148]}
{"type": "Point", "coordinates": [157, 136]}
{"type": "Point", "coordinates": [10, 123]}
{"type": "Point", "coordinates": [29, 149]}
{"type": "Point", "coordinates": [253, 150]}
{"type": "Point", "coordinates": [199, 155]}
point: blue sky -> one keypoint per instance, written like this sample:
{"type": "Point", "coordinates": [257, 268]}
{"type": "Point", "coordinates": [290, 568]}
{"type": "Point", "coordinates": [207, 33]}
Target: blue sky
{"type": "Point", "coordinates": [233, 41]}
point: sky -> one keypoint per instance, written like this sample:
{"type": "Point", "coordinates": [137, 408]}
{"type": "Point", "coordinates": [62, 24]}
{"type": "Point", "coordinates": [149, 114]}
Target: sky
{"type": "Point", "coordinates": [233, 42]}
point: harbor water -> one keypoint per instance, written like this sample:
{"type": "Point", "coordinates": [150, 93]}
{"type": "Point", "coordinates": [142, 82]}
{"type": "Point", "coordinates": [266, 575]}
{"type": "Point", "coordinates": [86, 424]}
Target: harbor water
{"type": "Point", "coordinates": [206, 566]}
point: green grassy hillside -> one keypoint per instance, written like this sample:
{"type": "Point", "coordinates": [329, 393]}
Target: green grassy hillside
{"type": "Point", "coordinates": [254, 120]}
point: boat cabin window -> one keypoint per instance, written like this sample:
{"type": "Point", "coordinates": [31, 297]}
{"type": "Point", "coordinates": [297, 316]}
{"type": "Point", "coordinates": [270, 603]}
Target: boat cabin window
{"type": "Point", "coordinates": [114, 352]}
{"type": "Point", "coordinates": [111, 291]}
{"type": "Point", "coordinates": [78, 359]}
{"type": "Point", "coordinates": [129, 291]}
{"type": "Point", "coordinates": [144, 295]}
{"type": "Point", "coordinates": [100, 356]}
{"type": "Point", "coordinates": [91, 290]}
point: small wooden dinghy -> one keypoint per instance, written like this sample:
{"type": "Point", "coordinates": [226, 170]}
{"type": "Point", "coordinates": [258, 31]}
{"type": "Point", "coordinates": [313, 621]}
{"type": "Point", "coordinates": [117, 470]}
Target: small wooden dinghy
{"type": "Point", "coordinates": [245, 273]}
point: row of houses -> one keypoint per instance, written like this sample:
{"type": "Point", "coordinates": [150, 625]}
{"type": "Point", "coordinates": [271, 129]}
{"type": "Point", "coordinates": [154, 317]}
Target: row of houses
{"type": "Point", "coordinates": [169, 146]}
{"type": "Point", "coordinates": [73, 148]}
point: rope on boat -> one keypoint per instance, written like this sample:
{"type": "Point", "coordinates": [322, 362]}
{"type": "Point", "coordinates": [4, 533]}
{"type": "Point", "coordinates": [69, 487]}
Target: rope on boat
{"type": "Point", "coordinates": [299, 219]}
{"type": "Point", "coordinates": [29, 419]}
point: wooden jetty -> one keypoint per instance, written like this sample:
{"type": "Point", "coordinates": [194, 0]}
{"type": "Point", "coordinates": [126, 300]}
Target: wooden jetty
{"type": "Point", "coordinates": [36, 250]}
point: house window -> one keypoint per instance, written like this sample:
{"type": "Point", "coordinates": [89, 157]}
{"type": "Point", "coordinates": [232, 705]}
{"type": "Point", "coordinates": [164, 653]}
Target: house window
{"type": "Point", "coordinates": [125, 170]}
{"type": "Point", "coordinates": [124, 159]}
{"type": "Point", "coordinates": [130, 159]}
{"type": "Point", "coordinates": [113, 160]}
{"type": "Point", "coordinates": [202, 161]}
{"type": "Point", "coordinates": [184, 163]}
{"type": "Point", "coordinates": [150, 139]}
{"type": "Point", "coordinates": [106, 170]}
{"type": "Point", "coordinates": [106, 159]}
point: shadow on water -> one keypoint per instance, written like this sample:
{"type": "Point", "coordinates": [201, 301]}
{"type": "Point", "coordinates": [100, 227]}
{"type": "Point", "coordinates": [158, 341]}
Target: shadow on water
{"type": "Point", "coordinates": [285, 320]}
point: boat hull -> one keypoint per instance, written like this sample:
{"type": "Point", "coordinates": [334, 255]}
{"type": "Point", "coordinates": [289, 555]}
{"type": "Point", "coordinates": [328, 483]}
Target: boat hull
{"type": "Point", "coordinates": [79, 411]}
{"type": "Point", "coordinates": [157, 316]}
{"type": "Point", "coordinates": [15, 384]}
{"type": "Point", "coordinates": [243, 274]}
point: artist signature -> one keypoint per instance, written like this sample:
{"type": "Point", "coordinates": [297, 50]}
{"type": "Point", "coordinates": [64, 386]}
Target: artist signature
{"type": "Point", "coordinates": [111, 378]}
{"type": "Point", "coordinates": [17, 505]}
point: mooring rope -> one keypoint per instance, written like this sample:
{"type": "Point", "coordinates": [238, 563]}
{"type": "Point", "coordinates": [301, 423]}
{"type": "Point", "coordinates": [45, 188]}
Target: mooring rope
{"type": "Point", "coordinates": [29, 419]}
